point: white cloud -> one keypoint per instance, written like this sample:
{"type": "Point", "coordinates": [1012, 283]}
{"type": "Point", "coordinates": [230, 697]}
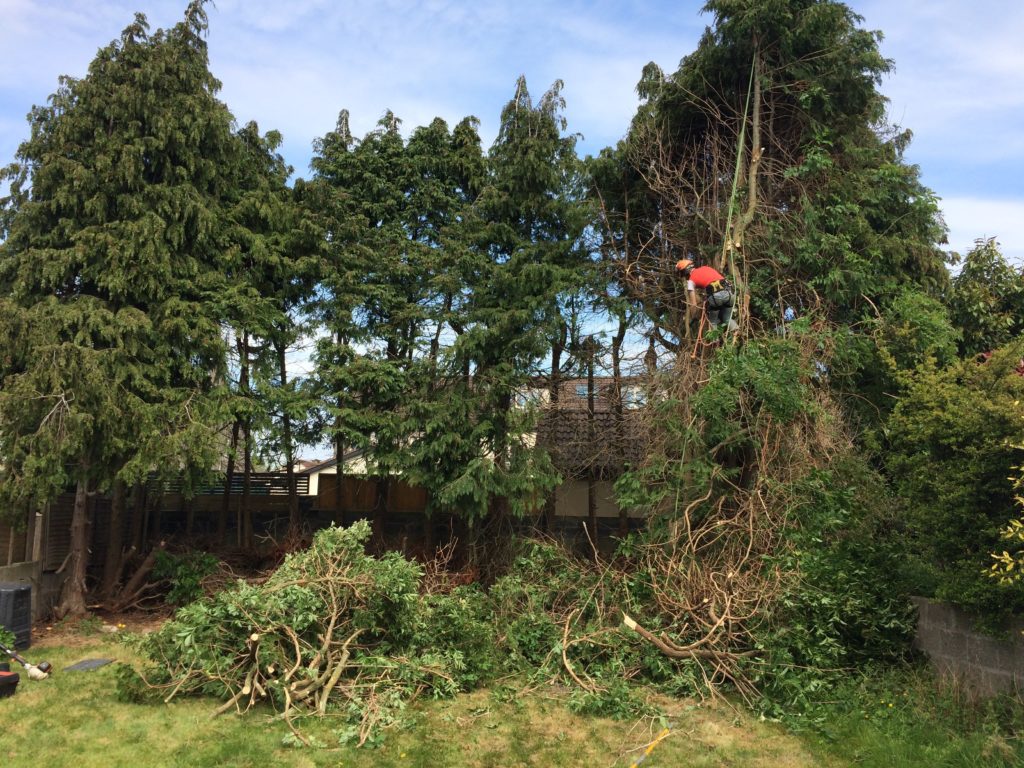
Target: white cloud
{"type": "Point", "coordinates": [292, 66]}
{"type": "Point", "coordinates": [971, 218]}
{"type": "Point", "coordinates": [957, 70]}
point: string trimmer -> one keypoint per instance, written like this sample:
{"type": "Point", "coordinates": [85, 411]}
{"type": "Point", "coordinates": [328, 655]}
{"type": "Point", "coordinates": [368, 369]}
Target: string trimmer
{"type": "Point", "coordinates": [40, 672]}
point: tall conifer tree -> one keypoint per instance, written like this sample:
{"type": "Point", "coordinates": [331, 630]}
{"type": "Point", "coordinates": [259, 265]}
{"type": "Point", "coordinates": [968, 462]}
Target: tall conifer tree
{"type": "Point", "coordinates": [113, 233]}
{"type": "Point", "coordinates": [530, 245]}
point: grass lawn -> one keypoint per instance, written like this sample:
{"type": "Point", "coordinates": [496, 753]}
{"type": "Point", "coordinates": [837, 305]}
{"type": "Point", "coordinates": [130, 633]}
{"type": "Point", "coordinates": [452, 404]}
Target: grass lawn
{"type": "Point", "coordinates": [885, 720]}
{"type": "Point", "coordinates": [74, 719]}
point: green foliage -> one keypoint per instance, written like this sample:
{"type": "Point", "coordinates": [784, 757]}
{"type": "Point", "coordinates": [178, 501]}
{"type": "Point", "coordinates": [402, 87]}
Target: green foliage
{"type": "Point", "coordinates": [462, 619]}
{"type": "Point", "coordinates": [953, 440]}
{"type": "Point", "coordinates": [764, 379]}
{"type": "Point", "coordinates": [901, 716]}
{"type": "Point", "coordinates": [987, 299]}
{"type": "Point", "coordinates": [915, 331]}
{"type": "Point", "coordinates": [130, 688]}
{"type": "Point", "coordinates": [111, 252]}
{"type": "Point", "coordinates": [457, 263]}
{"type": "Point", "coordinates": [845, 602]}
{"type": "Point", "coordinates": [619, 700]}
{"type": "Point", "coordinates": [912, 335]}
{"type": "Point", "coordinates": [7, 640]}
{"type": "Point", "coordinates": [328, 597]}
{"type": "Point", "coordinates": [840, 221]}
{"type": "Point", "coordinates": [184, 573]}
{"type": "Point", "coordinates": [550, 601]}
{"type": "Point", "coordinates": [1007, 566]}
{"type": "Point", "coordinates": [767, 380]}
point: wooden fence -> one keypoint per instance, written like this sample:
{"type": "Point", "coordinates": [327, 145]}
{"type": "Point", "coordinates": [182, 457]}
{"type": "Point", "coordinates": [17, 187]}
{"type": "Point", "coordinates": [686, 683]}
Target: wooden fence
{"type": "Point", "coordinates": [359, 495]}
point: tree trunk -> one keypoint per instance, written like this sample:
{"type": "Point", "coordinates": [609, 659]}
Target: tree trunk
{"type": "Point", "coordinates": [294, 521]}
{"type": "Point", "coordinates": [245, 537]}
{"type": "Point", "coordinates": [246, 522]}
{"type": "Point", "coordinates": [72, 594]}
{"type": "Point", "coordinates": [554, 390]}
{"type": "Point", "coordinates": [134, 588]}
{"type": "Point", "coordinates": [42, 519]}
{"type": "Point", "coordinates": [115, 543]}
{"type": "Point", "coordinates": [339, 477]}
{"type": "Point", "coordinates": [619, 438]}
{"type": "Point", "coordinates": [139, 501]}
{"type": "Point", "coordinates": [498, 530]}
{"type": "Point", "coordinates": [229, 477]}
{"type": "Point", "coordinates": [339, 455]}
{"type": "Point", "coordinates": [380, 511]}
{"type": "Point", "coordinates": [592, 442]}
{"type": "Point", "coordinates": [153, 531]}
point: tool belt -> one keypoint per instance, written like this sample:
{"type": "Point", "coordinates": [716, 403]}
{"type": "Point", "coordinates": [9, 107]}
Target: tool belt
{"type": "Point", "coordinates": [718, 285]}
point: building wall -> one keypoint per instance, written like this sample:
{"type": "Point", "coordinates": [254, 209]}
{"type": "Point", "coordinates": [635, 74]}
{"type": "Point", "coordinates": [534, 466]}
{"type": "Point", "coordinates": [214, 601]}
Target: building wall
{"type": "Point", "coordinates": [355, 466]}
{"type": "Point", "coordinates": [987, 664]}
{"type": "Point", "coordinates": [571, 499]}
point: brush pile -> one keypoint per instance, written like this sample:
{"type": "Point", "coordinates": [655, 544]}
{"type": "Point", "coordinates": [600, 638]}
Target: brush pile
{"type": "Point", "coordinates": [331, 630]}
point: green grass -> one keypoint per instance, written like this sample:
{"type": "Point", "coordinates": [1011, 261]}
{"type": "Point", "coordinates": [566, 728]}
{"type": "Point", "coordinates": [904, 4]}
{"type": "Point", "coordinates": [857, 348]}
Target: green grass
{"type": "Point", "coordinates": [886, 719]}
{"type": "Point", "coordinates": [74, 719]}
{"type": "Point", "coordinates": [900, 718]}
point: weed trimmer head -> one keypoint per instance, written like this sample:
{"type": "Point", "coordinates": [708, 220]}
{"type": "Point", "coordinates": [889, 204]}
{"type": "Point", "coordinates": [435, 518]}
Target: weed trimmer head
{"type": "Point", "coordinates": [39, 671]}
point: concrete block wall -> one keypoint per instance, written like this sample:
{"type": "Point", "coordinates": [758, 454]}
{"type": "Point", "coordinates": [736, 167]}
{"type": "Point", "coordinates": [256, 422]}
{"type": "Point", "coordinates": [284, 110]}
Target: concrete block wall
{"type": "Point", "coordinates": [989, 665]}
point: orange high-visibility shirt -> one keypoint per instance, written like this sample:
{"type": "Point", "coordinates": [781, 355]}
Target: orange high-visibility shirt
{"type": "Point", "coordinates": [702, 277]}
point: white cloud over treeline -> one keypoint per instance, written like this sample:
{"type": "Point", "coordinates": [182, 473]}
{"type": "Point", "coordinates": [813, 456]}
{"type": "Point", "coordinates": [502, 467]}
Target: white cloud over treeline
{"type": "Point", "coordinates": [293, 65]}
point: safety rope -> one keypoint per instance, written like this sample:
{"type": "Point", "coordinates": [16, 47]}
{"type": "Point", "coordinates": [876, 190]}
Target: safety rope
{"type": "Point", "coordinates": [650, 748]}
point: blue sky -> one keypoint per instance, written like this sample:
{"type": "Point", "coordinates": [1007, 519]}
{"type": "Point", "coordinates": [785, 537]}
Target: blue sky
{"type": "Point", "coordinates": [293, 65]}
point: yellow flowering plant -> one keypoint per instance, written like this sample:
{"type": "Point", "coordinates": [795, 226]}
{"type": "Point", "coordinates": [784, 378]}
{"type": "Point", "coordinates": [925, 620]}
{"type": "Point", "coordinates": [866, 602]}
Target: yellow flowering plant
{"type": "Point", "coordinates": [1007, 567]}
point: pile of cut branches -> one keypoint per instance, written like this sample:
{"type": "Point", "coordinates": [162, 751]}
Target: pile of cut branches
{"type": "Point", "coordinates": [332, 630]}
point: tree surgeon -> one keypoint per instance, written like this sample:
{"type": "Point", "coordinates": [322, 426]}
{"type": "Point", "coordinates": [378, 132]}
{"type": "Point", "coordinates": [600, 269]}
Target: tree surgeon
{"type": "Point", "coordinates": [719, 298]}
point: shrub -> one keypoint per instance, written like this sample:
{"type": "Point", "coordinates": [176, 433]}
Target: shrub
{"type": "Point", "coordinates": [184, 574]}
{"type": "Point", "coordinates": [954, 439]}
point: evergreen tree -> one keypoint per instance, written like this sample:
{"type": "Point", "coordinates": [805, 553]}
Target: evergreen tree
{"type": "Point", "coordinates": [271, 265]}
{"type": "Point", "coordinates": [440, 421]}
{"type": "Point", "coordinates": [375, 176]}
{"type": "Point", "coordinates": [532, 225]}
{"type": "Point", "coordinates": [767, 155]}
{"type": "Point", "coordinates": [113, 233]}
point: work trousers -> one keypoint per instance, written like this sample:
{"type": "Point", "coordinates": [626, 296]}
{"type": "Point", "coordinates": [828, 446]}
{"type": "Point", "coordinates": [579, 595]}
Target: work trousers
{"type": "Point", "coordinates": [718, 306]}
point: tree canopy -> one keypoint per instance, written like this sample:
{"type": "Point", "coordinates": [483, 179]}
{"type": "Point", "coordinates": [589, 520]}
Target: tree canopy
{"type": "Point", "coordinates": [160, 271]}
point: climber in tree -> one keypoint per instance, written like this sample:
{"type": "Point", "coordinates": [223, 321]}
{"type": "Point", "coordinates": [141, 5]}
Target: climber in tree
{"type": "Point", "coordinates": [719, 298]}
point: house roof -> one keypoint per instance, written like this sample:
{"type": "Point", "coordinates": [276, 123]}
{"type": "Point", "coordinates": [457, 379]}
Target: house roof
{"type": "Point", "coordinates": [319, 466]}
{"type": "Point", "coordinates": [602, 446]}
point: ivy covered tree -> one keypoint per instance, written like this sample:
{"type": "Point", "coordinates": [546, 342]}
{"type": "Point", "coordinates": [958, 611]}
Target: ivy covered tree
{"type": "Point", "coordinates": [112, 238]}
{"type": "Point", "coordinates": [767, 155]}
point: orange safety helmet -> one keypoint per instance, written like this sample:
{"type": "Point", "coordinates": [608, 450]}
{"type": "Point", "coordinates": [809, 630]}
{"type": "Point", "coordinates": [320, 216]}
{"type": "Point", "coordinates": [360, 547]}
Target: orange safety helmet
{"type": "Point", "coordinates": [683, 265]}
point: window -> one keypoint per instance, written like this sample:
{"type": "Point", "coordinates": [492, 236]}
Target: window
{"type": "Point", "coordinates": [633, 398]}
